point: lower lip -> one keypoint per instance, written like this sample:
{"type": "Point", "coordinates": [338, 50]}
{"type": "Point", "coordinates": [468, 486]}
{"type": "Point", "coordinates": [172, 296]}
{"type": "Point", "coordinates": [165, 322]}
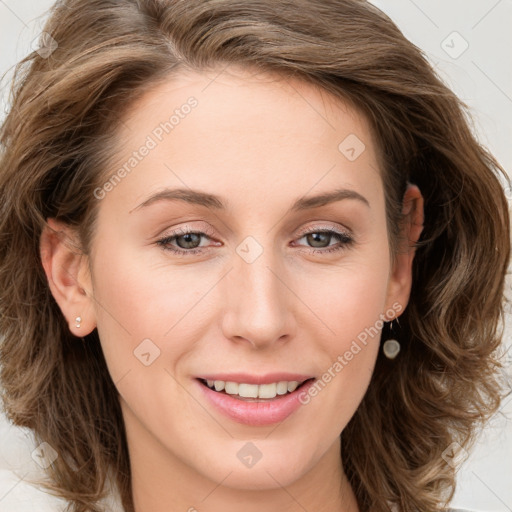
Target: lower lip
{"type": "Point", "coordinates": [256, 413]}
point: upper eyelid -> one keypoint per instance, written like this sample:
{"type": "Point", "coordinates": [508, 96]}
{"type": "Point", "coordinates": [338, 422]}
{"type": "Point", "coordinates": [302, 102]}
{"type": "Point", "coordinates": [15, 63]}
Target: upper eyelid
{"type": "Point", "coordinates": [315, 229]}
{"type": "Point", "coordinates": [208, 233]}
{"type": "Point", "coordinates": [187, 230]}
{"type": "Point", "coordinates": [211, 232]}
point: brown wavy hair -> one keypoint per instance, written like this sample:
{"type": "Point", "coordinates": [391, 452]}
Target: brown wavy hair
{"type": "Point", "coordinates": [66, 104]}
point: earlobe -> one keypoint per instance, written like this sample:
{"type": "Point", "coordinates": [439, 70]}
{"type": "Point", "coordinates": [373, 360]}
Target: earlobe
{"type": "Point", "coordinates": [413, 219]}
{"type": "Point", "coordinates": [64, 264]}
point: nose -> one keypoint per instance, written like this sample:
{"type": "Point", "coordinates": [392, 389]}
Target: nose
{"type": "Point", "coordinates": [259, 304]}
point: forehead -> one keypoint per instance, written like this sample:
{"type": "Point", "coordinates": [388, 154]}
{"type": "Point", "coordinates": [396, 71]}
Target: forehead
{"type": "Point", "coordinates": [246, 130]}
{"type": "Point", "coordinates": [269, 91]}
{"type": "Point", "coordinates": [235, 96]}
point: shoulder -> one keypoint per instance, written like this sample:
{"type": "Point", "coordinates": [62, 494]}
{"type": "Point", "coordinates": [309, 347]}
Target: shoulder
{"type": "Point", "coordinates": [18, 467]}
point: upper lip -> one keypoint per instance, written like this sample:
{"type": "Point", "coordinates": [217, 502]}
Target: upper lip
{"type": "Point", "coordinates": [247, 378]}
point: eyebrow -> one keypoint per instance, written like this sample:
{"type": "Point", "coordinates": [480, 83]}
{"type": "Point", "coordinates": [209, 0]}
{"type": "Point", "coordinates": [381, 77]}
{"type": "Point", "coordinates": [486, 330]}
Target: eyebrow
{"type": "Point", "coordinates": [197, 197]}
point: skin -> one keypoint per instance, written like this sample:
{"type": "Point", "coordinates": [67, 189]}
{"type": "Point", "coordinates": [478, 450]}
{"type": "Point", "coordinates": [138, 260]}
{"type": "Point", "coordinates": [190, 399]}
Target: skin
{"type": "Point", "coordinates": [260, 142]}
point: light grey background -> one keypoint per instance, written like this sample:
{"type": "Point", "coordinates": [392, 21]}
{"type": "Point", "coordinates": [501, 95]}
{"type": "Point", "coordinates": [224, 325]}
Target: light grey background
{"type": "Point", "coordinates": [470, 44]}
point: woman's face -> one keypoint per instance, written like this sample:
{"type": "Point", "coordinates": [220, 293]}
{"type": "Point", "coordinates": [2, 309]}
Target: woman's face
{"type": "Point", "coordinates": [274, 285]}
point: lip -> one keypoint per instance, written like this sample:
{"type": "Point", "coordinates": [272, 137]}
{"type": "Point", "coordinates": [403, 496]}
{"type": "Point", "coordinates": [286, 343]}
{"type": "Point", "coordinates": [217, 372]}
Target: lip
{"type": "Point", "coordinates": [246, 378]}
{"type": "Point", "coordinates": [257, 413]}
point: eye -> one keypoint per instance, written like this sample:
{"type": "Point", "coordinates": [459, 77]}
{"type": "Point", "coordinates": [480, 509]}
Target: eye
{"type": "Point", "coordinates": [188, 242]}
{"type": "Point", "coordinates": [319, 238]}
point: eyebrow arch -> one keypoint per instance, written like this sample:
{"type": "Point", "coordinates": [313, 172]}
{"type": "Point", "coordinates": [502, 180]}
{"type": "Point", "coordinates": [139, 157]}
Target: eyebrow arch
{"type": "Point", "coordinates": [212, 201]}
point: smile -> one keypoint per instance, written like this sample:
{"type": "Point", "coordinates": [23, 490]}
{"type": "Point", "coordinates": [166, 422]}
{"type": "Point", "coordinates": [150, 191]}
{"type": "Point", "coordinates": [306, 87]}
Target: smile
{"type": "Point", "coordinates": [263, 401]}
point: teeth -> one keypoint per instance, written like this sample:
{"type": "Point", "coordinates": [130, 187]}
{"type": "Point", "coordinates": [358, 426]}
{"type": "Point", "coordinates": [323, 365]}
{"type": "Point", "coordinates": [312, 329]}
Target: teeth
{"type": "Point", "coordinates": [231, 388]}
{"type": "Point", "coordinates": [246, 390]}
{"type": "Point", "coordinates": [282, 388]}
{"type": "Point", "coordinates": [267, 390]}
{"type": "Point", "coordinates": [254, 390]}
{"type": "Point", "coordinates": [292, 386]}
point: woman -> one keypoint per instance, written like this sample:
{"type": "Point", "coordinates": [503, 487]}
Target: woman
{"type": "Point", "coordinates": [252, 256]}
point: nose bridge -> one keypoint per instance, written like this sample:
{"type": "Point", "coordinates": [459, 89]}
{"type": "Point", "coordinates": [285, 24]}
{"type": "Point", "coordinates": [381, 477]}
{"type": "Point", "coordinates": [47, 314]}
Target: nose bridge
{"type": "Point", "coordinates": [258, 307]}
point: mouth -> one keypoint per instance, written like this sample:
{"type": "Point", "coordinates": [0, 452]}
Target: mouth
{"type": "Point", "coordinates": [252, 400]}
{"type": "Point", "coordinates": [252, 392]}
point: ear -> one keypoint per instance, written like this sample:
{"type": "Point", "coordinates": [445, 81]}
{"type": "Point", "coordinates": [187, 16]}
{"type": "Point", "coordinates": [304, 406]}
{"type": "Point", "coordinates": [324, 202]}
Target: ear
{"type": "Point", "coordinates": [67, 271]}
{"type": "Point", "coordinates": [400, 282]}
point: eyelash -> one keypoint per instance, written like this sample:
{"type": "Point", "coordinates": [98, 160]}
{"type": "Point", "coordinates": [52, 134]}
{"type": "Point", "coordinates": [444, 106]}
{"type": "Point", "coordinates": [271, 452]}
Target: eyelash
{"type": "Point", "coordinates": [344, 238]}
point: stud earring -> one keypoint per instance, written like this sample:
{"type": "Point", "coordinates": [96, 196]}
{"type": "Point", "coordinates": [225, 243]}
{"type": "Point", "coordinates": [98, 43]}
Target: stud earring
{"type": "Point", "coordinates": [391, 347]}
{"type": "Point", "coordinates": [78, 319]}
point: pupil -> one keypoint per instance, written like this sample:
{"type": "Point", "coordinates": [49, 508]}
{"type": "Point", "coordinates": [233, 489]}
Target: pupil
{"type": "Point", "coordinates": [314, 238]}
{"type": "Point", "coordinates": [188, 241]}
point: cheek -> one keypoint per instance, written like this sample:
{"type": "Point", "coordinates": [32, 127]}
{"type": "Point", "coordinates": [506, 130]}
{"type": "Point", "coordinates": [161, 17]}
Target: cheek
{"type": "Point", "coordinates": [131, 306]}
{"type": "Point", "coordinates": [349, 298]}
{"type": "Point", "coordinates": [145, 307]}
{"type": "Point", "coordinates": [352, 306]}
{"type": "Point", "coordinates": [141, 287]}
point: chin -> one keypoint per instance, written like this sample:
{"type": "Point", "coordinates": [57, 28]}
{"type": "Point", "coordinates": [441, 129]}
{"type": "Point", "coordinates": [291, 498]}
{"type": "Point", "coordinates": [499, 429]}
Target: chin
{"type": "Point", "coordinates": [276, 471]}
